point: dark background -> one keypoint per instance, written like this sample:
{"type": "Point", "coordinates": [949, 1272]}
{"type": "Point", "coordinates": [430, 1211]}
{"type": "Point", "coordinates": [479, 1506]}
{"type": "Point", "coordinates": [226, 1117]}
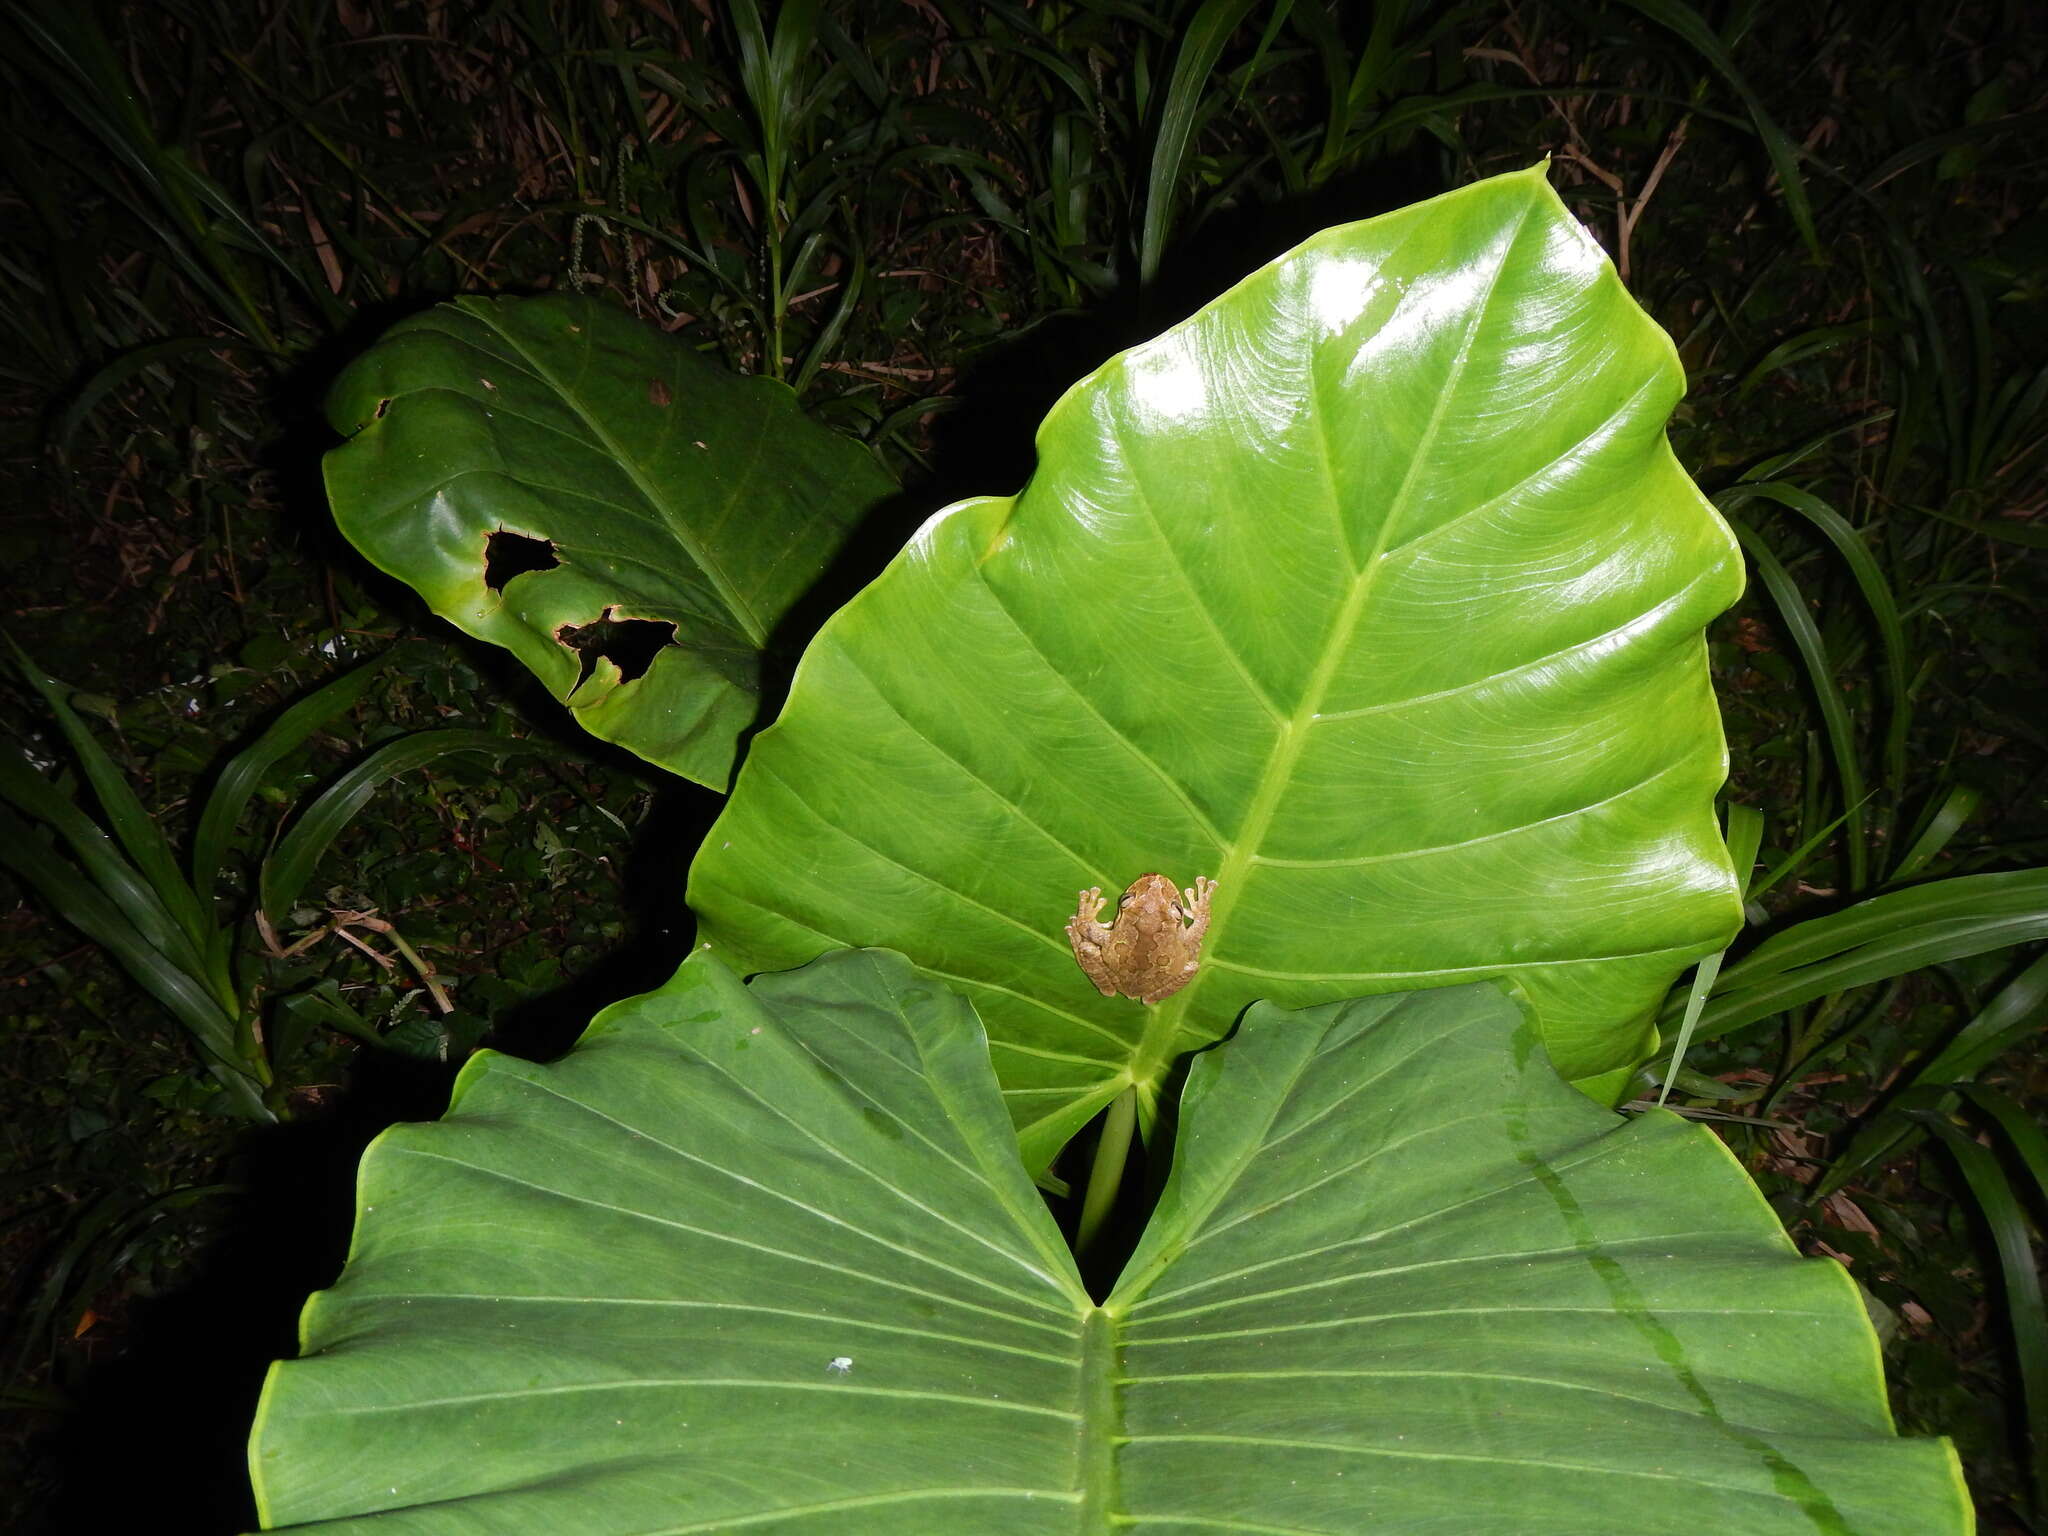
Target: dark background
{"type": "Point", "coordinates": [210, 207]}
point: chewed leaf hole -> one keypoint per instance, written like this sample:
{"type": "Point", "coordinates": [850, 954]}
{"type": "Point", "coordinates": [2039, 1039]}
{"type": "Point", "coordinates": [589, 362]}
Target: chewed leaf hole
{"type": "Point", "coordinates": [514, 554]}
{"type": "Point", "coordinates": [628, 644]}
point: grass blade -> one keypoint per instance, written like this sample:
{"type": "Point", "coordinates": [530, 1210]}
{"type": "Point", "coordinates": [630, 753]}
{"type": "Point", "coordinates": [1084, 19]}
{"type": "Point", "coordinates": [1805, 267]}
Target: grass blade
{"type": "Point", "coordinates": [1201, 45]}
{"type": "Point", "coordinates": [1745, 834]}
{"type": "Point", "coordinates": [117, 372]}
{"type": "Point", "coordinates": [137, 831]}
{"type": "Point", "coordinates": [1811, 343]}
{"type": "Point", "coordinates": [292, 863]}
{"type": "Point", "coordinates": [1875, 940]}
{"type": "Point", "coordinates": [80, 903]}
{"type": "Point", "coordinates": [2029, 1143]}
{"type": "Point", "coordinates": [1794, 859]}
{"type": "Point", "coordinates": [1834, 714]}
{"type": "Point", "coordinates": [2021, 892]}
{"type": "Point", "coordinates": [243, 775]}
{"type": "Point", "coordinates": [1691, 26]}
{"type": "Point", "coordinates": [106, 872]}
{"type": "Point", "coordinates": [2019, 1009]}
{"type": "Point", "coordinates": [2025, 1315]}
{"type": "Point", "coordinates": [1956, 807]}
{"type": "Point", "coordinates": [1877, 596]}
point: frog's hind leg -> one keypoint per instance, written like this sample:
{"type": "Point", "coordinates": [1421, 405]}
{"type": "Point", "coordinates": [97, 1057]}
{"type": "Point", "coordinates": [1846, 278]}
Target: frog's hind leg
{"type": "Point", "coordinates": [1173, 984]}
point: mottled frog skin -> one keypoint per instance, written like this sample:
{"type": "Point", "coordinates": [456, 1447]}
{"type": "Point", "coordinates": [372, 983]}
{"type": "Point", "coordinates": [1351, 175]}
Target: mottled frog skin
{"type": "Point", "coordinates": [1144, 952]}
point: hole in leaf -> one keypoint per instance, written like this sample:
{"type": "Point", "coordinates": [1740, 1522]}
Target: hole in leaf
{"type": "Point", "coordinates": [382, 407]}
{"type": "Point", "coordinates": [514, 554]}
{"type": "Point", "coordinates": [628, 644]}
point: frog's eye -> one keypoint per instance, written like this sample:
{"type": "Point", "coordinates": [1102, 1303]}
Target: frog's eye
{"type": "Point", "coordinates": [1174, 908]}
{"type": "Point", "coordinates": [1125, 900]}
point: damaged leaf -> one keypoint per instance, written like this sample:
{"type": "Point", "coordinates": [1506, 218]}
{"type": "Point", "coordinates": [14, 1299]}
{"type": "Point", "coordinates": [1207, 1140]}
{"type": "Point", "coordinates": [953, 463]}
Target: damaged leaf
{"type": "Point", "coordinates": [630, 521]}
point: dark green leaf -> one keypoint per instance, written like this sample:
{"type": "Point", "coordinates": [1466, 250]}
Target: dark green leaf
{"type": "Point", "coordinates": [292, 862]}
{"type": "Point", "coordinates": [765, 1258]}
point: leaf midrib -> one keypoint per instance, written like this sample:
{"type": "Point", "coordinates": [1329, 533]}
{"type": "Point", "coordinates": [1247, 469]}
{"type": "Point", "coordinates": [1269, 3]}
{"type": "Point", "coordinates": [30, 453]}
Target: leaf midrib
{"type": "Point", "coordinates": [1155, 1048]}
{"type": "Point", "coordinates": [728, 592]}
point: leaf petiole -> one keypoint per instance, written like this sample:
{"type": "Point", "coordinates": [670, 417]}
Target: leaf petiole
{"type": "Point", "coordinates": [1106, 1174]}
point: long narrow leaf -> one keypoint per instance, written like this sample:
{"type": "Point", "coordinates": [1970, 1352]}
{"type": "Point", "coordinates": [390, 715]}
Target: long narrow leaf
{"type": "Point", "coordinates": [136, 829]}
{"type": "Point", "coordinates": [2025, 1315]}
{"type": "Point", "coordinates": [244, 773]}
{"type": "Point", "coordinates": [1877, 595]}
{"type": "Point", "coordinates": [80, 903]}
{"type": "Point", "coordinates": [1745, 836]}
{"type": "Point", "coordinates": [1776, 464]}
{"type": "Point", "coordinates": [1794, 859]}
{"type": "Point", "coordinates": [291, 865]}
{"type": "Point", "coordinates": [123, 367]}
{"type": "Point", "coordinates": [140, 905]}
{"type": "Point", "coordinates": [2028, 535]}
{"type": "Point", "coordinates": [1932, 944]}
{"type": "Point", "coordinates": [1875, 940]}
{"type": "Point", "coordinates": [1791, 604]}
{"type": "Point", "coordinates": [1690, 25]}
{"type": "Point", "coordinates": [2020, 1007]}
{"type": "Point", "coordinates": [1201, 45]}
{"type": "Point", "coordinates": [2022, 1133]}
{"type": "Point", "coordinates": [2022, 892]}
{"type": "Point", "coordinates": [2016, 1012]}
{"type": "Point", "coordinates": [1955, 808]}
{"type": "Point", "coordinates": [1811, 343]}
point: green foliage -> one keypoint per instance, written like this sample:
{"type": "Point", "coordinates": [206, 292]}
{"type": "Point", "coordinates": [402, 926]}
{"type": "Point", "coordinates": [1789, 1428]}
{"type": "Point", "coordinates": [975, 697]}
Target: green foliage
{"type": "Point", "coordinates": [191, 948]}
{"type": "Point", "coordinates": [767, 1254]}
{"type": "Point", "coordinates": [122, 1171]}
{"type": "Point", "coordinates": [1325, 595]}
{"type": "Point", "coordinates": [559, 479]}
{"type": "Point", "coordinates": [970, 172]}
{"type": "Point", "coordinates": [1254, 469]}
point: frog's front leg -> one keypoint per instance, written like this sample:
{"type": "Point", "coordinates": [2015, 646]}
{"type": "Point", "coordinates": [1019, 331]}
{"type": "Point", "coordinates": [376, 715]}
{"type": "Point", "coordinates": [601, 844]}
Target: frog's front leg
{"type": "Point", "coordinates": [1198, 907]}
{"type": "Point", "coordinates": [1087, 936]}
{"type": "Point", "coordinates": [1084, 924]}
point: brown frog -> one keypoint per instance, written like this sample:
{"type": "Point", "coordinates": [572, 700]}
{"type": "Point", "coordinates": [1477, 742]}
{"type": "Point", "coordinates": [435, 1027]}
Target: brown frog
{"type": "Point", "coordinates": [1145, 953]}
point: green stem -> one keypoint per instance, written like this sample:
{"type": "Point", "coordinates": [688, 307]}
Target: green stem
{"type": "Point", "coordinates": [775, 305]}
{"type": "Point", "coordinates": [1106, 1176]}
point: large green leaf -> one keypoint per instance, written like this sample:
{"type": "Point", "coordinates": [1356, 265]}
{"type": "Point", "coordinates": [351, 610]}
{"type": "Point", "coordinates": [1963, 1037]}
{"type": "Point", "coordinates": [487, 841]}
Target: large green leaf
{"type": "Point", "coordinates": [1372, 591]}
{"type": "Point", "coordinates": [670, 494]}
{"type": "Point", "coordinates": [766, 1258]}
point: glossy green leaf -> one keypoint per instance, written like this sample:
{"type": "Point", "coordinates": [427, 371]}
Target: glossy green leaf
{"type": "Point", "coordinates": [766, 1258]}
{"type": "Point", "coordinates": [684, 509]}
{"type": "Point", "coordinates": [1372, 591]}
